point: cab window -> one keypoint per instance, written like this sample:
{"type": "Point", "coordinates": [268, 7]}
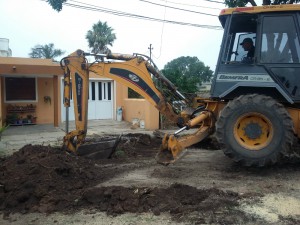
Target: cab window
{"type": "Point", "coordinates": [280, 43]}
{"type": "Point", "coordinates": [241, 27]}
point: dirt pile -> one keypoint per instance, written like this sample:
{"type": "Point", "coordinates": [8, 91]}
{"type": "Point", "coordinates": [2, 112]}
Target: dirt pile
{"type": "Point", "coordinates": [45, 179]}
{"type": "Point", "coordinates": [181, 201]}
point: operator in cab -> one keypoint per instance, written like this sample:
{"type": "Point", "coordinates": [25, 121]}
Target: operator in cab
{"type": "Point", "coordinates": [247, 45]}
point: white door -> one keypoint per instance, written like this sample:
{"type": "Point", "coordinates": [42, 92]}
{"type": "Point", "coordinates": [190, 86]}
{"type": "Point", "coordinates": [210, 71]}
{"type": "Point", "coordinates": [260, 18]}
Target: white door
{"type": "Point", "coordinates": [100, 103]}
{"type": "Point", "coordinates": [100, 100]}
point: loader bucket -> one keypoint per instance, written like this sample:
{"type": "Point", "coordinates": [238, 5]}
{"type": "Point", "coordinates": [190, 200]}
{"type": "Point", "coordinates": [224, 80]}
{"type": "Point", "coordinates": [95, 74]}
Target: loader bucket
{"type": "Point", "coordinates": [173, 146]}
{"type": "Point", "coordinates": [164, 157]}
{"type": "Point", "coordinates": [170, 150]}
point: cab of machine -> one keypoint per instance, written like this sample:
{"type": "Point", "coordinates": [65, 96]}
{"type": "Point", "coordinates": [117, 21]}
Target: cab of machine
{"type": "Point", "coordinates": [274, 65]}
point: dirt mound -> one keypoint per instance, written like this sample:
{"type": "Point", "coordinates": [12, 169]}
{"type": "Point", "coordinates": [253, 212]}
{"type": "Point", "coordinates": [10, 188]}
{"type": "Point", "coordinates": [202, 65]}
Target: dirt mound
{"type": "Point", "coordinates": [45, 179]}
{"type": "Point", "coordinates": [137, 145]}
{"type": "Point", "coordinates": [210, 205]}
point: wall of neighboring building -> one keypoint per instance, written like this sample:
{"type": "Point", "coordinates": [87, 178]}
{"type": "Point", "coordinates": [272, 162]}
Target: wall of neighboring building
{"type": "Point", "coordinates": [136, 109]}
{"type": "Point", "coordinates": [44, 110]}
{"type": "Point", "coordinates": [48, 86]}
{"type": "Point", "coordinates": [59, 100]}
{"type": "Point", "coordinates": [121, 93]}
{"type": "Point", "coordinates": [45, 102]}
{"type": "Point", "coordinates": [46, 72]}
{"type": "Point", "coordinates": [5, 51]}
{"type": "Point", "coordinates": [141, 110]}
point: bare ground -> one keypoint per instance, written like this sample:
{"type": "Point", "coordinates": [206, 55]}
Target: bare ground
{"type": "Point", "coordinates": [45, 185]}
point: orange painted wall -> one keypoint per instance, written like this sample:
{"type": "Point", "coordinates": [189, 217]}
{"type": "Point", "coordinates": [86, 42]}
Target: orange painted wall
{"type": "Point", "coordinates": [141, 109]}
{"type": "Point", "coordinates": [45, 110]}
{"type": "Point", "coordinates": [121, 94]}
{"type": "Point", "coordinates": [60, 97]}
{"type": "Point", "coordinates": [151, 117]}
{"type": "Point", "coordinates": [132, 108]}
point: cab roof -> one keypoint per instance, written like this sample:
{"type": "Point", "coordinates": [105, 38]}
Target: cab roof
{"type": "Point", "coordinates": [261, 9]}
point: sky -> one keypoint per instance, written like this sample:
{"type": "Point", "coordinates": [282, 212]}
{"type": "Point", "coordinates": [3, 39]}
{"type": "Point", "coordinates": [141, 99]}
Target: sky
{"type": "Point", "coordinates": [27, 23]}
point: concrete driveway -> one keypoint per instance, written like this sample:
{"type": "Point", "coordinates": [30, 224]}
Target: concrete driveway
{"type": "Point", "coordinates": [15, 137]}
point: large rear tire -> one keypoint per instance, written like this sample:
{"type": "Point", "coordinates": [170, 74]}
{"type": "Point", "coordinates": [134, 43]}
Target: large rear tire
{"type": "Point", "coordinates": [255, 130]}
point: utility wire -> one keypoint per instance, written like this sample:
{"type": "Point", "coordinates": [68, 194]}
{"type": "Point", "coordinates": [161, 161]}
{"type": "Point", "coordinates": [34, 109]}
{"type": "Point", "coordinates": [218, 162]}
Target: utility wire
{"type": "Point", "coordinates": [207, 14]}
{"type": "Point", "coordinates": [190, 5]}
{"type": "Point", "coordinates": [161, 35]}
{"type": "Point", "coordinates": [214, 1]}
{"type": "Point", "coordinates": [119, 13]}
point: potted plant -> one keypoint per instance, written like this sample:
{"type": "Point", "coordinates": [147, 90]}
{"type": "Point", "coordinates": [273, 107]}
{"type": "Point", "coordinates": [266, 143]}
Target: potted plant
{"type": "Point", "coordinates": [2, 128]}
{"type": "Point", "coordinates": [47, 99]}
{"type": "Point", "coordinates": [12, 118]}
{"type": "Point", "coordinates": [20, 120]}
{"type": "Point", "coordinates": [29, 118]}
{"type": "Point", "coordinates": [34, 119]}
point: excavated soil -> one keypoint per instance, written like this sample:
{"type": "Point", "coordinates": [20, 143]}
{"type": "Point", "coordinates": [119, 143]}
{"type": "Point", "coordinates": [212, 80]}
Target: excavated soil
{"type": "Point", "coordinates": [47, 180]}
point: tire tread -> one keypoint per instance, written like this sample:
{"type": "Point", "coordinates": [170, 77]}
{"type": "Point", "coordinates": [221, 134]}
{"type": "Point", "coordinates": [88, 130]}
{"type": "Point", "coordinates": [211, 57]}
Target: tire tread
{"type": "Point", "coordinates": [266, 101]}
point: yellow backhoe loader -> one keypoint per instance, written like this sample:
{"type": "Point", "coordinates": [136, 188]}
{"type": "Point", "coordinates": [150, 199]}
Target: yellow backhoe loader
{"type": "Point", "coordinates": [254, 103]}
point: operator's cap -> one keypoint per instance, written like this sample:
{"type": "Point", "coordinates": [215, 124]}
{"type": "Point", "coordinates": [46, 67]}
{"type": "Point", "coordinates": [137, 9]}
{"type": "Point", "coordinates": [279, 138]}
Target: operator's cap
{"type": "Point", "coordinates": [247, 40]}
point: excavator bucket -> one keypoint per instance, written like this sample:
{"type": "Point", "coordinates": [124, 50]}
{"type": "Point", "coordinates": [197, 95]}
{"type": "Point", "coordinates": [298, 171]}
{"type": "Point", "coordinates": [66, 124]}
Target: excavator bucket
{"type": "Point", "coordinates": [99, 149]}
{"type": "Point", "coordinates": [93, 148]}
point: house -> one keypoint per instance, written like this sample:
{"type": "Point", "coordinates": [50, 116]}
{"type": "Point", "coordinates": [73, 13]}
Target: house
{"type": "Point", "coordinates": [32, 93]}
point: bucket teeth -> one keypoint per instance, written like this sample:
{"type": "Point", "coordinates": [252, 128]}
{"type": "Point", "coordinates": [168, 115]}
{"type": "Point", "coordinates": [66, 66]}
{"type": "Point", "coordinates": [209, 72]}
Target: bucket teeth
{"type": "Point", "coordinates": [170, 150]}
{"type": "Point", "coordinates": [164, 157]}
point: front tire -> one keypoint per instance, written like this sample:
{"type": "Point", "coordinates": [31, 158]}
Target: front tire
{"type": "Point", "coordinates": [255, 130]}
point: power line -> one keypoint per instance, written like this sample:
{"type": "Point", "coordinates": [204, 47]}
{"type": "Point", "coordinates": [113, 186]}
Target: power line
{"type": "Point", "coordinates": [95, 8]}
{"type": "Point", "coordinates": [120, 13]}
{"type": "Point", "coordinates": [190, 5]}
{"type": "Point", "coordinates": [207, 14]}
{"type": "Point", "coordinates": [162, 32]}
{"type": "Point", "coordinates": [214, 1]}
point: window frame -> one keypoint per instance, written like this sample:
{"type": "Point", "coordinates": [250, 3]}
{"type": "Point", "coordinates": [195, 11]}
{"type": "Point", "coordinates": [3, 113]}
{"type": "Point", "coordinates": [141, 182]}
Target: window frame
{"type": "Point", "coordinates": [235, 32]}
{"type": "Point", "coordinates": [293, 51]}
{"type": "Point", "coordinates": [20, 100]}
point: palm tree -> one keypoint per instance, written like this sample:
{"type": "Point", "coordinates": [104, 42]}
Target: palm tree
{"type": "Point", "coordinates": [100, 37]}
{"type": "Point", "coordinates": [45, 51]}
{"type": "Point", "coordinates": [57, 4]}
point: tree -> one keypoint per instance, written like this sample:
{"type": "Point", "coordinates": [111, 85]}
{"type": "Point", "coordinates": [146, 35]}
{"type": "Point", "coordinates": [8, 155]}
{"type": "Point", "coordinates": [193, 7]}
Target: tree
{"type": "Point", "coordinates": [100, 37]}
{"type": "Point", "coordinates": [238, 3]}
{"type": "Point", "coordinates": [187, 73]}
{"type": "Point", "coordinates": [56, 4]}
{"type": "Point", "coordinates": [242, 3]}
{"type": "Point", "coordinates": [45, 51]}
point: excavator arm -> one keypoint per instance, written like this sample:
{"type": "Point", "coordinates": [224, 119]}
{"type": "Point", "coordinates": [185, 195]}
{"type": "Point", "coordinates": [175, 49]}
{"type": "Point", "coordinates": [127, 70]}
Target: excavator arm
{"type": "Point", "coordinates": [76, 69]}
{"type": "Point", "coordinates": [137, 73]}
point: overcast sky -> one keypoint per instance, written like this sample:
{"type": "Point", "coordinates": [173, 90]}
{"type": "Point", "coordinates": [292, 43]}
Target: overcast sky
{"type": "Point", "coordinates": [27, 23]}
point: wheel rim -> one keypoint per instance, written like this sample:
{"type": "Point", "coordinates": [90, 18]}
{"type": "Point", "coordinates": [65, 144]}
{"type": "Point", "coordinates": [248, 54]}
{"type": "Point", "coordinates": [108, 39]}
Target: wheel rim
{"type": "Point", "coordinates": [253, 131]}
